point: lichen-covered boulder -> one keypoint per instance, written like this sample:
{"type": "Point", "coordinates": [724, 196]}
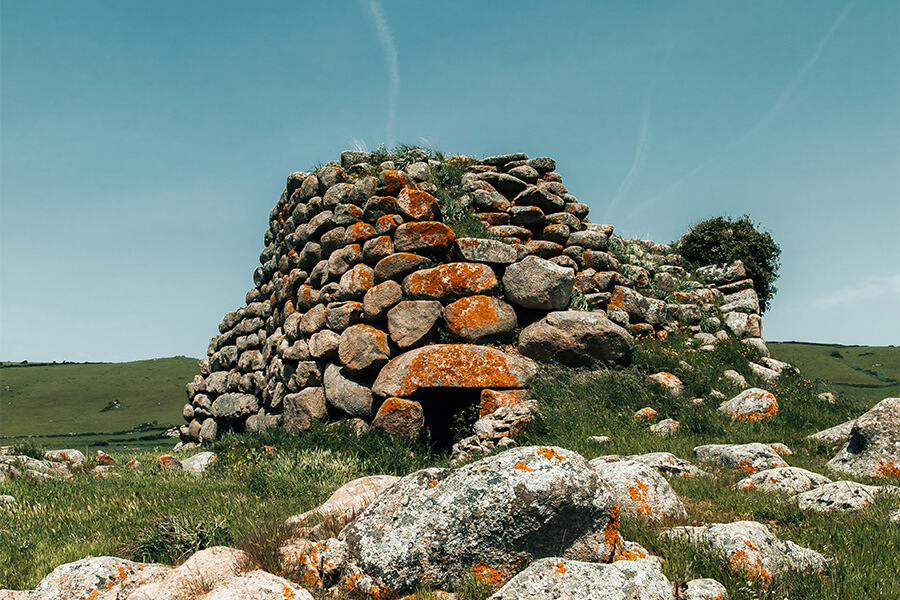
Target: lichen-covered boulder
{"type": "Point", "coordinates": [364, 349]}
{"type": "Point", "coordinates": [751, 549]}
{"type": "Point", "coordinates": [873, 446]}
{"type": "Point", "coordinates": [747, 457]}
{"type": "Point", "coordinates": [537, 283]}
{"type": "Point", "coordinates": [453, 365]}
{"type": "Point", "coordinates": [413, 322]}
{"type": "Point", "coordinates": [485, 251]}
{"type": "Point", "coordinates": [479, 319]}
{"type": "Point", "coordinates": [450, 281]}
{"type": "Point", "coordinates": [96, 577]}
{"type": "Point", "coordinates": [577, 338]}
{"type": "Point", "coordinates": [640, 489]}
{"type": "Point", "coordinates": [668, 464]}
{"type": "Point", "coordinates": [751, 405]}
{"type": "Point", "coordinates": [487, 518]}
{"type": "Point", "coordinates": [703, 589]}
{"type": "Point", "coordinates": [841, 496]}
{"type": "Point", "coordinates": [783, 479]}
{"type": "Point", "coordinates": [401, 418]}
{"type": "Point", "coordinates": [425, 236]}
{"type": "Point", "coordinates": [556, 578]}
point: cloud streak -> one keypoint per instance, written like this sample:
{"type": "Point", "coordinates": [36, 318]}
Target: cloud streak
{"type": "Point", "coordinates": [393, 66]}
{"type": "Point", "coordinates": [873, 288]}
{"type": "Point", "coordinates": [782, 99]}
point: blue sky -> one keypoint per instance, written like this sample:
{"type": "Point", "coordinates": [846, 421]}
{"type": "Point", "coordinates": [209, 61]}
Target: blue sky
{"type": "Point", "coordinates": [142, 144]}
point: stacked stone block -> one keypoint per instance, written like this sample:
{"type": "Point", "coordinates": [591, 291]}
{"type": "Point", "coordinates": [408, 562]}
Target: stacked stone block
{"type": "Point", "coordinates": [365, 300]}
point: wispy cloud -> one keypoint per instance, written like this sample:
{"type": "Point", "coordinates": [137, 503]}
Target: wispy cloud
{"type": "Point", "coordinates": [795, 82]}
{"type": "Point", "coordinates": [873, 288]}
{"type": "Point", "coordinates": [782, 99]}
{"type": "Point", "coordinates": [393, 65]}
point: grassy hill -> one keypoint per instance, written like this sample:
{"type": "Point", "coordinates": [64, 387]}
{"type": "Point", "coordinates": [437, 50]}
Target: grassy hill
{"type": "Point", "coordinates": [867, 374]}
{"type": "Point", "coordinates": [94, 404]}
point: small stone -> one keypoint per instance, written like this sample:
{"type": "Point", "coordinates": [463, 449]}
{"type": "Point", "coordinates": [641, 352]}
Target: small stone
{"type": "Point", "coordinates": [401, 418]}
{"type": "Point", "coordinates": [646, 413]}
{"type": "Point", "coordinates": [380, 299]}
{"type": "Point", "coordinates": [427, 236]}
{"type": "Point", "coordinates": [537, 283]}
{"type": "Point", "coordinates": [413, 322]}
{"type": "Point", "coordinates": [665, 428]}
{"type": "Point", "coordinates": [364, 349]}
{"type": "Point", "coordinates": [751, 405]}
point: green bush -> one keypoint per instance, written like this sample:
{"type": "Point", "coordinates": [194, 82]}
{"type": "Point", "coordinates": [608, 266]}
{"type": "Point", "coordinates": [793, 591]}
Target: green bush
{"type": "Point", "coordinates": [720, 240]}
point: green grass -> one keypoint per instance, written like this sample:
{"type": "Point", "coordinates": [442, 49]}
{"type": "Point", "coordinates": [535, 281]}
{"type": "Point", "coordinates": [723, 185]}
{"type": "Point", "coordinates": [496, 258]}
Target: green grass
{"type": "Point", "coordinates": [867, 374]}
{"type": "Point", "coordinates": [244, 499]}
{"type": "Point", "coordinates": [65, 405]}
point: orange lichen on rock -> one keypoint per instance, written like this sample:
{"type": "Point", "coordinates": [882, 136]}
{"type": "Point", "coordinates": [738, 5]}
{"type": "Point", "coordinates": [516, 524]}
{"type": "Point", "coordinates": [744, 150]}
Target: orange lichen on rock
{"type": "Point", "coordinates": [549, 453]}
{"type": "Point", "coordinates": [452, 365]}
{"type": "Point", "coordinates": [746, 465]}
{"type": "Point", "coordinates": [358, 233]}
{"type": "Point", "coordinates": [488, 575]}
{"type": "Point", "coordinates": [451, 280]}
{"type": "Point", "coordinates": [646, 413]}
{"type": "Point", "coordinates": [561, 568]}
{"type": "Point", "coordinates": [888, 469]}
{"type": "Point", "coordinates": [418, 205]}
{"type": "Point", "coordinates": [522, 466]}
{"type": "Point", "coordinates": [491, 400]}
{"type": "Point", "coordinates": [423, 235]}
{"type": "Point", "coordinates": [394, 181]}
{"type": "Point", "coordinates": [611, 531]}
{"type": "Point", "coordinates": [639, 496]}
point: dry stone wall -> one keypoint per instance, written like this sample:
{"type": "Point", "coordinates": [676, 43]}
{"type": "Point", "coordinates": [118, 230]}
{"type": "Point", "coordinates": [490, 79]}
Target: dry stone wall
{"type": "Point", "coordinates": [368, 305]}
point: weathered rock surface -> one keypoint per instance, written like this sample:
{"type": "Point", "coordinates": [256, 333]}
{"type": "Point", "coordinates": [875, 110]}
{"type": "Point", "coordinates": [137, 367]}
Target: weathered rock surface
{"type": "Point", "coordinates": [577, 338]}
{"type": "Point", "coordinates": [401, 418]}
{"type": "Point", "coordinates": [751, 549]}
{"type": "Point", "coordinates": [834, 435]}
{"type": "Point", "coordinates": [480, 319]}
{"type": "Point", "coordinates": [450, 281]}
{"type": "Point", "coordinates": [669, 465]}
{"type": "Point", "coordinates": [95, 577]}
{"type": "Point", "coordinates": [751, 405]}
{"type": "Point", "coordinates": [557, 578]}
{"type": "Point", "coordinates": [640, 489]}
{"type": "Point", "coordinates": [537, 283]}
{"type": "Point", "coordinates": [703, 589]}
{"type": "Point", "coordinates": [841, 496]}
{"type": "Point", "coordinates": [453, 365]}
{"type": "Point", "coordinates": [783, 479]}
{"type": "Point", "coordinates": [487, 518]}
{"type": "Point", "coordinates": [747, 457]}
{"type": "Point", "coordinates": [347, 394]}
{"type": "Point", "coordinates": [873, 446]}
{"type": "Point", "coordinates": [413, 322]}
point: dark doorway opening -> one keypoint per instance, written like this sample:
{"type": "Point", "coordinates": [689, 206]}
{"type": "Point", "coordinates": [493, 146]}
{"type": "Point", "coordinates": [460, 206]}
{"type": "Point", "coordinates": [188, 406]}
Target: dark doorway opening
{"type": "Point", "coordinates": [449, 414]}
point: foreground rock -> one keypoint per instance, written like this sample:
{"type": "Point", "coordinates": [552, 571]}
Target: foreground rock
{"type": "Point", "coordinates": [559, 578]}
{"type": "Point", "coordinates": [751, 405]}
{"type": "Point", "coordinates": [841, 496]}
{"type": "Point", "coordinates": [489, 518]}
{"type": "Point", "coordinates": [101, 577]}
{"type": "Point", "coordinates": [873, 446]}
{"type": "Point", "coordinates": [640, 489]}
{"type": "Point", "coordinates": [751, 549]}
{"type": "Point", "coordinates": [783, 479]}
{"type": "Point", "coordinates": [747, 457]}
{"type": "Point", "coordinates": [577, 338]}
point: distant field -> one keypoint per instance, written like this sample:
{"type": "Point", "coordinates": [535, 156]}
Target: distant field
{"type": "Point", "coordinates": [866, 374]}
{"type": "Point", "coordinates": [63, 404]}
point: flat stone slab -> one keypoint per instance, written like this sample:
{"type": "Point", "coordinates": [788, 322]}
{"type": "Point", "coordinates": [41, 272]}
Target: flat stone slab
{"type": "Point", "coordinates": [747, 457]}
{"type": "Point", "coordinates": [751, 405]}
{"type": "Point", "coordinates": [557, 578]}
{"type": "Point", "coordinates": [841, 496]}
{"type": "Point", "coordinates": [751, 549]}
{"type": "Point", "coordinates": [783, 479]}
{"type": "Point", "coordinates": [453, 365]}
{"type": "Point", "coordinates": [873, 445]}
{"type": "Point", "coordinates": [640, 489]}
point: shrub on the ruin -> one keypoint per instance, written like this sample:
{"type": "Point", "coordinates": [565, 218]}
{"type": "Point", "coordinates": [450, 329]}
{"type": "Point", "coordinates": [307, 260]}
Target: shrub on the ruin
{"type": "Point", "coordinates": [723, 240]}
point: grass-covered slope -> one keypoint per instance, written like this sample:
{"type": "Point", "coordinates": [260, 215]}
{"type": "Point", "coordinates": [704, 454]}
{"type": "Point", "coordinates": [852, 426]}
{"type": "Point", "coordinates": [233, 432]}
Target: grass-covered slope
{"type": "Point", "coordinates": [244, 500]}
{"type": "Point", "coordinates": [864, 373]}
{"type": "Point", "coordinates": [95, 404]}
